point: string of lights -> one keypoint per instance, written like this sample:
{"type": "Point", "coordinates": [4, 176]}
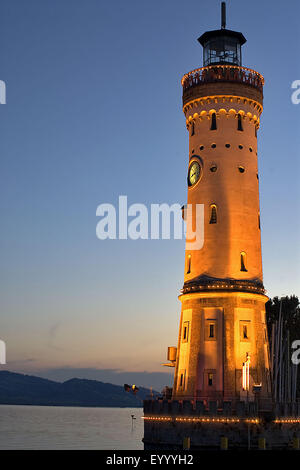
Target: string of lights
{"type": "Point", "coordinates": [219, 420]}
{"type": "Point", "coordinates": [202, 420]}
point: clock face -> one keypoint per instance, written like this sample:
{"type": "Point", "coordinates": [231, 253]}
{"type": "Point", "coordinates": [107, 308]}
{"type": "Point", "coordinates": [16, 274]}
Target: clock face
{"type": "Point", "coordinates": [194, 173]}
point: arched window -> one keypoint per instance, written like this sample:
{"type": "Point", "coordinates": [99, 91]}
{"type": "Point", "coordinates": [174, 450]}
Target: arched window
{"type": "Point", "coordinates": [240, 123]}
{"type": "Point", "coordinates": [189, 263]}
{"type": "Point", "coordinates": [213, 214]}
{"type": "Point", "coordinates": [243, 262]}
{"type": "Point", "coordinates": [213, 122]}
{"type": "Point", "coordinates": [193, 128]}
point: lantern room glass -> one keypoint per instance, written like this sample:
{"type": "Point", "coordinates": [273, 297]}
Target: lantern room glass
{"type": "Point", "coordinates": [222, 50]}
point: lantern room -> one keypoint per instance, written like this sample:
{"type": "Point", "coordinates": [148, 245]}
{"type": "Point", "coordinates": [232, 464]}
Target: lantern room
{"type": "Point", "coordinates": [222, 46]}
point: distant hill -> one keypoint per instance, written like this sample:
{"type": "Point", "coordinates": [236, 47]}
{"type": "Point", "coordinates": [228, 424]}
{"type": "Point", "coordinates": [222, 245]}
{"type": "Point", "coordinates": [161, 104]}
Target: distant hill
{"type": "Point", "coordinates": [19, 389]}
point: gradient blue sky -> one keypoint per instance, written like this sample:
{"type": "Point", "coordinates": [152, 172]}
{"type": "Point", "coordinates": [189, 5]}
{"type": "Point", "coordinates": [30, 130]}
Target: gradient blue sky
{"type": "Point", "coordinates": [93, 112]}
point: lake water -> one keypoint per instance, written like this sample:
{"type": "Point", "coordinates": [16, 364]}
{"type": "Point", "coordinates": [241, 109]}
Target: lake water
{"type": "Point", "coordinates": [51, 427]}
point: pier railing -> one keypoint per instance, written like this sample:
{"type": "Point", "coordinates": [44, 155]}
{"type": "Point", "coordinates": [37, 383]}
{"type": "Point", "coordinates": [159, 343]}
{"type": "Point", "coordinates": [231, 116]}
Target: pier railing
{"type": "Point", "coordinates": [161, 408]}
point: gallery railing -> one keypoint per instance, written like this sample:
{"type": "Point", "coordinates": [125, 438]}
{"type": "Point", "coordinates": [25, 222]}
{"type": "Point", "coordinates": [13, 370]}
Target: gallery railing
{"type": "Point", "coordinates": [223, 73]}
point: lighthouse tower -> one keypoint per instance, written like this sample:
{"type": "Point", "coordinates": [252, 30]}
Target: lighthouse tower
{"type": "Point", "coordinates": [222, 380]}
{"type": "Point", "coordinates": [222, 351]}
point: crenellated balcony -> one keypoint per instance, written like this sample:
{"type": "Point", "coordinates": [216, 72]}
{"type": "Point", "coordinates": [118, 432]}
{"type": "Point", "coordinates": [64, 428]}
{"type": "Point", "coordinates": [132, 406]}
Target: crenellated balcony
{"type": "Point", "coordinates": [223, 73]}
{"type": "Point", "coordinates": [219, 79]}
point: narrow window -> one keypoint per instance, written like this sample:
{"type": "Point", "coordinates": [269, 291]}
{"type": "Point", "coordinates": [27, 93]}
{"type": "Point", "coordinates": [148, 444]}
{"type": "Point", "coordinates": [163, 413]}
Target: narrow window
{"type": "Point", "coordinates": [213, 122]}
{"type": "Point", "coordinates": [245, 331]}
{"type": "Point", "coordinates": [185, 333]}
{"type": "Point", "coordinates": [210, 379]}
{"type": "Point", "coordinates": [189, 262]}
{"type": "Point", "coordinates": [255, 131]}
{"type": "Point", "coordinates": [192, 128]}
{"type": "Point", "coordinates": [259, 221]}
{"type": "Point", "coordinates": [211, 330]}
{"type": "Point", "coordinates": [243, 262]}
{"type": "Point", "coordinates": [182, 379]}
{"type": "Point", "coordinates": [240, 123]}
{"type": "Point", "coordinates": [213, 214]}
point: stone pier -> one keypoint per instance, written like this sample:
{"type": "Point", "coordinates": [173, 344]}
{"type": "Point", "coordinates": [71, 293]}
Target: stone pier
{"type": "Point", "coordinates": [168, 422]}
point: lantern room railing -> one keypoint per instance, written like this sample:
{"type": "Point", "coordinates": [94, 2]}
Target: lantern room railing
{"type": "Point", "coordinates": [222, 73]}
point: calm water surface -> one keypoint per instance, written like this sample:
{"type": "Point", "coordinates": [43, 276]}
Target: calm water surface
{"type": "Point", "coordinates": [43, 427]}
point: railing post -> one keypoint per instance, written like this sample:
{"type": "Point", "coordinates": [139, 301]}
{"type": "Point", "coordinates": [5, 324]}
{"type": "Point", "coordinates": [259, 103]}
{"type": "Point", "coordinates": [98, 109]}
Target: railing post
{"type": "Point", "coordinates": [296, 443]}
{"type": "Point", "coordinates": [224, 443]}
{"type": "Point", "coordinates": [186, 443]}
{"type": "Point", "coordinates": [262, 443]}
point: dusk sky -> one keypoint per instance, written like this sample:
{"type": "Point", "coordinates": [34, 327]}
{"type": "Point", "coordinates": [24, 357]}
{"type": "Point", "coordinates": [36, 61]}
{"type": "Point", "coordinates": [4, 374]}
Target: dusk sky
{"type": "Point", "coordinates": [93, 112]}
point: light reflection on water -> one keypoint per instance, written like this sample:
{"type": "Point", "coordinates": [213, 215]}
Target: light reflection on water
{"type": "Point", "coordinates": [49, 427]}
